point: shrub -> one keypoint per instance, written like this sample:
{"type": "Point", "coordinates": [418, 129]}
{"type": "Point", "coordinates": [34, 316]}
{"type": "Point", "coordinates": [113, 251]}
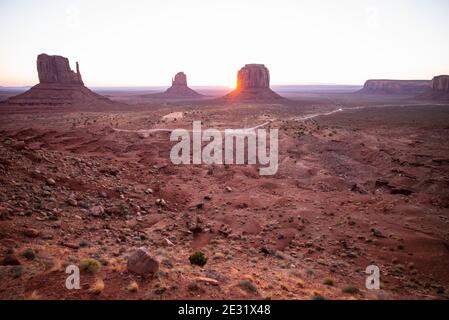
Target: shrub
{"type": "Point", "coordinates": [90, 265]}
{"type": "Point", "coordinates": [351, 290]}
{"type": "Point", "coordinates": [198, 258]}
{"type": "Point", "coordinates": [29, 254]}
{"type": "Point", "coordinates": [133, 286]}
{"type": "Point", "coordinates": [328, 282]}
{"type": "Point", "coordinates": [247, 286]}
{"type": "Point", "coordinates": [98, 287]}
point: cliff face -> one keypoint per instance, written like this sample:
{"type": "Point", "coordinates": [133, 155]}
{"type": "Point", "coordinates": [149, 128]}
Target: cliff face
{"type": "Point", "coordinates": [396, 86]}
{"type": "Point", "coordinates": [179, 80]}
{"type": "Point", "coordinates": [253, 84]}
{"type": "Point", "coordinates": [58, 84]}
{"type": "Point", "coordinates": [439, 89]}
{"type": "Point", "coordinates": [253, 76]}
{"type": "Point", "coordinates": [441, 83]}
{"type": "Point", "coordinates": [56, 69]}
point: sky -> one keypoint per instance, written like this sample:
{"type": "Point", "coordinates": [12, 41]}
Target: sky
{"type": "Point", "coordinates": [144, 43]}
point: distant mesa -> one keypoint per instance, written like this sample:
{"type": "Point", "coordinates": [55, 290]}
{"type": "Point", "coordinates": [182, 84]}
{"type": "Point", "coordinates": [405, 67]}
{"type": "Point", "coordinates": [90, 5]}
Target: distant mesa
{"type": "Point", "coordinates": [178, 89]}
{"type": "Point", "coordinates": [58, 84]}
{"type": "Point", "coordinates": [439, 90]}
{"type": "Point", "coordinates": [380, 86]}
{"type": "Point", "coordinates": [253, 84]}
{"type": "Point", "coordinates": [441, 84]}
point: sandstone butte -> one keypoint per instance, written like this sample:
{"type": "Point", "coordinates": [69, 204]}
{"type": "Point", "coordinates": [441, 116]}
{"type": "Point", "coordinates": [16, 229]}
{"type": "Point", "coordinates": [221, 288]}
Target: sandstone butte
{"type": "Point", "coordinates": [253, 84]}
{"type": "Point", "coordinates": [58, 84]}
{"type": "Point", "coordinates": [178, 89]}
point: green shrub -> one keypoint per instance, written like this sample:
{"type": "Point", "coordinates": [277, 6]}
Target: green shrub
{"type": "Point", "coordinates": [328, 282]}
{"type": "Point", "coordinates": [198, 258]}
{"type": "Point", "coordinates": [351, 290]}
{"type": "Point", "coordinates": [90, 265]}
{"type": "Point", "coordinates": [29, 254]}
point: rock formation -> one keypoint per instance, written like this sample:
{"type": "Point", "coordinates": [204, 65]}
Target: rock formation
{"type": "Point", "coordinates": [253, 76]}
{"type": "Point", "coordinates": [58, 84]}
{"type": "Point", "coordinates": [395, 86]}
{"type": "Point", "coordinates": [178, 89]}
{"type": "Point", "coordinates": [253, 84]}
{"type": "Point", "coordinates": [179, 80]}
{"type": "Point", "coordinates": [441, 83]}
{"type": "Point", "coordinates": [439, 90]}
{"type": "Point", "coordinates": [56, 69]}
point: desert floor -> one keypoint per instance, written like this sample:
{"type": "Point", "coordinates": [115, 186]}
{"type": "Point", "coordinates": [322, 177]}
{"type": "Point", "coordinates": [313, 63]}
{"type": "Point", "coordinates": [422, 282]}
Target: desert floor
{"type": "Point", "coordinates": [366, 185]}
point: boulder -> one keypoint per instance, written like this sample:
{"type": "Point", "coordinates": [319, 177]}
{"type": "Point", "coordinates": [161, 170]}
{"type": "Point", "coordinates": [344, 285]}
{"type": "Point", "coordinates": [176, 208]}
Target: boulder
{"type": "Point", "coordinates": [142, 263]}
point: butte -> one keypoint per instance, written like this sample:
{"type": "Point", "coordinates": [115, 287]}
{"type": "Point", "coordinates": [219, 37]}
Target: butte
{"type": "Point", "coordinates": [58, 84]}
{"type": "Point", "coordinates": [178, 89]}
{"type": "Point", "coordinates": [253, 85]}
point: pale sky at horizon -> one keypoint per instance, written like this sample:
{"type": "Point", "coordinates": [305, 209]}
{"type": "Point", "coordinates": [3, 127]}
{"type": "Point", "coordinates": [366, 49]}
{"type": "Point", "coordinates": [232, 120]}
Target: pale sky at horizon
{"type": "Point", "coordinates": [144, 43]}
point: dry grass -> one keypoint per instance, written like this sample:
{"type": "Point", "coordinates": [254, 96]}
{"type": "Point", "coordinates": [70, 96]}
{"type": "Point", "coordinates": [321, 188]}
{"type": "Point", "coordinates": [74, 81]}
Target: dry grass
{"type": "Point", "coordinates": [117, 265]}
{"type": "Point", "coordinates": [132, 287]}
{"type": "Point", "coordinates": [98, 287]}
{"type": "Point", "coordinates": [34, 296]}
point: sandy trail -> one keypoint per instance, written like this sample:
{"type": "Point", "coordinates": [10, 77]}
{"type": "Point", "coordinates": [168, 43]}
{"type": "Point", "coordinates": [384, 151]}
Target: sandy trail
{"type": "Point", "coordinates": [146, 132]}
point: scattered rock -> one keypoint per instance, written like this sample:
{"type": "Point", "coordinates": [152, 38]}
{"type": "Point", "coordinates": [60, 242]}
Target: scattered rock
{"type": "Point", "coordinates": [403, 191]}
{"type": "Point", "coordinates": [31, 233]}
{"type": "Point", "coordinates": [142, 263]}
{"type": "Point", "coordinates": [70, 245]}
{"type": "Point", "coordinates": [209, 281]}
{"type": "Point", "coordinates": [10, 260]}
{"type": "Point", "coordinates": [225, 230]}
{"type": "Point", "coordinates": [72, 202]}
{"type": "Point", "coordinates": [377, 233]}
{"type": "Point", "coordinates": [97, 211]}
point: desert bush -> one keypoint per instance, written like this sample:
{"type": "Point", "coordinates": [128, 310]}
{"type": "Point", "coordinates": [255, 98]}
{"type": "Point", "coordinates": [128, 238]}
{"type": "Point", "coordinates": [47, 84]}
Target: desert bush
{"type": "Point", "coordinates": [29, 254]}
{"type": "Point", "coordinates": [198, 258]}
{"type": "Point", "coordinates": [351, 290]}
{"type": "Point", "coordinates": [90, 265]}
